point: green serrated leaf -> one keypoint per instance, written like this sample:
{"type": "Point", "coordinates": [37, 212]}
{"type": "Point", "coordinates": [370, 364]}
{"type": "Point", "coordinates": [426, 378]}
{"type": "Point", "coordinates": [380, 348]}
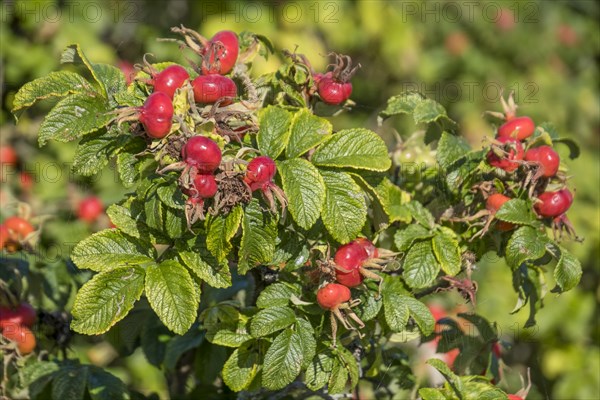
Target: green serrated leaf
{"type": "Point", "coordinates": [274, 130]}
{"type": "Point", "coordinates": [451, 149]}
{"type": "Point", "coordinates": [392, 199]}
{"type": "Point", "coordinates": [319, 371]}
{"type": "Point", "coordinates": [276, 295]}
{"type": "Point", "coordinates": [404, 238]}
{"type": "Point", "coordinates": [93, 152]}
{"type": "Point", "coordinates": [344, 210]}
{"type": "Point", "coordinates": [348, 360]}
{"type": "Point", "coordinates": [516, 211]}
{"type": "Point", "coordinates": [453, 380]}
{"type": "Point", "coordinates": [121, 217]}
{"type": "Point", "coordinates": [338, 378]}
{"type": "Point", "coordinates": [178, 345]}
{"type": "Point", "coordinates": [395, 311]}
{"type": "Point", "coordinates": [567, 272]}
{"type": "Point", "coordinates": [171, 195]}
{"type": "Point", "coordinates": [108, 249]}
{"type": "Point", "coordinates": [259, 233]}
{"type": "Point", "coordinates": [219, 231]}
{"type": "Point", "coordinates": [309, 343]}
{"type": "Point", "coordinates": [420, 266]}
{"type": "Point", "coordinates": [170, 291]}
{"type": "Point", "coordinates": [525, 244]}
{"type": "Point", "coordinates": [304, 188]}
{"type": "Point", "coordinates": [105, 386]}
{"type": "Point", "coordinates": [307, 131]}
{"type": "Point", "coordinates": [74, 117]}
{"type": "Point", "coordinates": [70, 383]}
{"type": "Point", "coordinates": [74, 55]}
{"type": "Point", "coordinates": [37, 376]}
{"type": "Point", "coordinates": [401, 104]}
{"type": "Point", "coordinates": [106, 299]}
{"type": "Point", "coordinates": [420, 214]}
{"type": "Point", "coordinates": [271, 320]}
{"type": "Point", "coordinates": [55, 84]}
{"type": "Point", "coordinates": [112, 81]}
{"type": "Point", "coordinates": [447, 251]}
{"type": "Point", "coordinates": [204, 265]}
{"type": "Point", "coordinates": [420, 313]}
{"type": "Point", "coordinates": [428, 111]}
{"type": "Point", "coordinates": [240, 369]}
{"type": "Point", "coordinates": [283, 360]}
{"type": "Point", "coordinates": [353, 148]}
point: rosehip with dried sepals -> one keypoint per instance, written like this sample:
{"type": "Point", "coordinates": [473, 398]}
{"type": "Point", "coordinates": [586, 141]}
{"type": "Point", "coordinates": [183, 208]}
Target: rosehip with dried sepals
{"type": "Point", "coordinates": [221, 53]}
{"type": "Point", "coordinates": [169, 79]}
{"type": "Point", "coordinates": [368, 246]}
{"type": "Point", "coordinates": [519, 128]}
{"type": "Point", "coordinates": [202, 153]}
{"type": "Point", "coordinates": [208, 89]}
{"type": "Point", "coordinates": [554, 204]}
{"type": "Point", "coordinates": [260, 172]}
{"type": "Point", "coordinates": [546, 158]}
{"type": "Point", "coordinates": [513, 151]}
{"type": "Point", "coordinates": [333, 92]}
{"type": "Point", "coordinates": [493, 204]}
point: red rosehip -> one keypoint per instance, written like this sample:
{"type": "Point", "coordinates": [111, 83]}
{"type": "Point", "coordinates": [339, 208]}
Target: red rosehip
{"type": "Point", "coordinates": [369, 247]}
{"type": "Point", "coordinates": [170, 79]}
{"type": "Point", "coordinates": [514, 150]}
{"type": "Point", "coordinates": [4, 236]}
{"type": "Point", "coordinates": [333, 92]}
{"type": "Point", "coordinates": [8, 156]}
{"type": "Point", "coordinates": [24, 315]}
{"type": "Point", "coordinates": [205, 185]}
{"type": "Point", "coordinates": [517, 128]}
{"type": "Point", "coordinates": [18, 227]}
{"type": "Point", "coordinates": [156, 115]}
{"type": "Point", "coordinates": [260, 172]}
{"type": "Point", "coordinates": [227, 55]}
{"type": "Point", "coordinates": [202, 153]}
{"type": "Point", "coordinates": [548, 159]}
{"type": "Point", "coordinates": [332, 295]}
{"type": "Point", "coordinates": [90, 209]}
{"type": "Point", "coordinates": [210, 88]}
{"type": "Point", "coordinates": [22, 336]}
{"type": "Point", "coordinates": [554, 204]}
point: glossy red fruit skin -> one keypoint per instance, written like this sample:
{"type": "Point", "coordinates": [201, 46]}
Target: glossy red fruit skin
{"type": "Point", "coordinates": [22, 336]}
{"type": "Point", "coordinates": [546, 157]}
{"type": "Point", "coordinates": [333, 92]}
{"type": "Point", "coordinates": [205, 185]}
{"type": "Point", "coordinates": [159, 105]}
{"type": "Point", "coordinates": [24, 315]}
{"type": "Point", "coordinates": [554, 204]}
{"type": "Point", "coordinates": [228, 57]}
{"type": "Point", "coordinates": [507, 162]}
{"type": "Point", "coordinates": [260, 172]}
{"type": "Point", "coordinates": [514, 397]}
{"type": "Point", "coordinates": [90, 209]}
{"type": "Point", "coordinates": [519, 128]}
{"type": "Point", "coordinates": [202, 153]}
{"type": "Point", "coordinates": [332, 295]}
{"type": "Point", "coordinates": [170, 79]}
{"type": "Point", "coordinates": [369, 247]}
{"type": "Point", "coordinates": [350, 256]}
{"type": "Point", "coordinates": [351, 279]}
{"type": "Point", "coordinates": [18, 227]}
{"type": "Point", "coordinates": [156, 115]}
{"type": "Point", "coordinates": [128, 70]}
{"type": "Point", "coordinates": [210, 88]}
{"type": "Point", "coordinates": [8, 156]}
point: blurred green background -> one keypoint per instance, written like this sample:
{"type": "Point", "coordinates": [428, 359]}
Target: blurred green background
{"type": "Point", "coordinates": [458, 53]}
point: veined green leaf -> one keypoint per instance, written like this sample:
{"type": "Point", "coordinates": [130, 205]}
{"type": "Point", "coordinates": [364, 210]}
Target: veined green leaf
{"type": "Point", "coordinates": [353, 148]}
{"type": "Point", "coordinates": [271, 320]}
{"type": "Point", "coordinates": [274, 130]}
{"type": "Point", "coordinates": [307, 131]}
{"type": "Point", "coordinates": [219, 231]}
{"type": "Point", "coordinates": [170, 291]}
{"type": "Point", "coordinates": [420, 266]}
{"type": "Point", "coordinates": [259, 231]}
{"type": "Point", "coordinates": [304, 188]}
{"type": "Point", "coordinates": [106, 299]}
{"type": "Point", "coordinates": [344, 210]}
{"type": "Point", "coordinates": [283, 360]}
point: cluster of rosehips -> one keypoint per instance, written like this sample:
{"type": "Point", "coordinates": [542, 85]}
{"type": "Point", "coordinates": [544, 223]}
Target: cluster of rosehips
{"type": "Point", "coordinates": [508, 154]}
{"type": "Point", "coordinates": [13, 232]}
{"type": "Point", "coordinates": [334, 87]}
{"type": "Point", "coordinates": [9, 159]}
{"type": "Point", "coordinates": [219, 55]}
{"type": "Point", "coordinates": [15, 324]}
{"type": "Point", "coordinates": [352, 262]}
